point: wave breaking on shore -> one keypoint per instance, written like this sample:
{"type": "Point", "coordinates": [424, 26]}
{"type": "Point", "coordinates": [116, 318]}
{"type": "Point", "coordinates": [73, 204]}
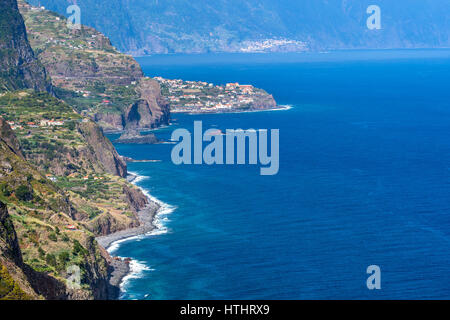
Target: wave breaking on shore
{"type": "Point", "coordinates": [159, 219]}
{"type": "Point", "coordinates": [153, 223]}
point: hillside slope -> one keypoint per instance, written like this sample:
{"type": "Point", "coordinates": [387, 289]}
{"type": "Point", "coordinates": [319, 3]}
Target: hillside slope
{"type": "Point", "coordinates": [61, 185]}
{"type": "Point", "coordinates": [90, 74]}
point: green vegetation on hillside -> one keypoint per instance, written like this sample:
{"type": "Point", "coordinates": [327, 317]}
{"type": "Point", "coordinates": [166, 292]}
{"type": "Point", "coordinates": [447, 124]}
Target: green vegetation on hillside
{"type": "Point", "coordinates": [60, 195]}
{"type": "Point", "coordinates": [9, 289]}
{"type": "Point", "coordinates": [87, 71]}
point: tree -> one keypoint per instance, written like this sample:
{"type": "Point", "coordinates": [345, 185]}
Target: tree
{"type": "Point", "coordinates": [52, 236]}
{"type": "Point", "coordinates": [71, 125]}
{"type": "Point", "coordinates": [64, 257]}
{"type": "Point", "coordinates": [5, 190]}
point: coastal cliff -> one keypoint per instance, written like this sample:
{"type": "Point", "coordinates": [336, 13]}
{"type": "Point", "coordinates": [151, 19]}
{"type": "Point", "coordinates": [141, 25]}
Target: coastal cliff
{"type": "Point", "coordinates": [14, 283]}
{"type": "Point", "coordinates": [102, 149]}
{"type": "Point", "coordinates": [151, 110]}
{"type": "Point", "coordinates": [62, 183]}
{"type": "Point", "coordinates": [19, 67]}
{"type": "Point", "coordinates": [56, 215]}
{"type": "Point", "coordinates": [35, 247]}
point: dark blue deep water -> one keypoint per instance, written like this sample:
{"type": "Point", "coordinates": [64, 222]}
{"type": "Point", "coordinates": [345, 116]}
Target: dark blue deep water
{"type": "Point", "coordinates": [364, 180]}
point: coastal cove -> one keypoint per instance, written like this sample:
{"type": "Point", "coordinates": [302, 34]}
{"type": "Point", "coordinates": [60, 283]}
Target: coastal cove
{"type": "Point", "coordinates": [362, 181]}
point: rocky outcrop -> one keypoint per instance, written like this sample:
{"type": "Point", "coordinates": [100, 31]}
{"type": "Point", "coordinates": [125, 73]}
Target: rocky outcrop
{"type": "Point", "coordinates": [19, 68]}
{"type": "Point", "coordinates": [103, 149]}
{"type": "Point", "coordinates": [9, 244]}
{"type": "Point", "coordinates": [135, 198]}
{"type": "Point", "coordinates": [8, 136]}
{"type": "Point", "coordinates": [14, 283]}
{"type": "Point", "coordinates": [133, 136]}
{"type": "Point", "coordinates": [151, 110]}
{"type": "Point", "coordinates": [264, 102]}
{"type": "Point", "coordinates": [107, 224]}
{"type": "Point", "coordinates": [110, 122]}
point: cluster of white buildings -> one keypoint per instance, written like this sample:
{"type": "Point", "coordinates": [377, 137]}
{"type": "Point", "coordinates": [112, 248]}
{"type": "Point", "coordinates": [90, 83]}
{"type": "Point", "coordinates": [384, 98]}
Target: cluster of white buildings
{"type": "Point", "coordinates": [51, 123]}
{"type": "Point", "coordinates": [274, 45]}
{"type": "Point", "coordinates": [185, 96]}
{"type": "Point", "coordinates": [31, 124]}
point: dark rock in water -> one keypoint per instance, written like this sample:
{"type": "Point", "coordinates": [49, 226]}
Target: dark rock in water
{"type": "Point", "coordinates": [135, 137]}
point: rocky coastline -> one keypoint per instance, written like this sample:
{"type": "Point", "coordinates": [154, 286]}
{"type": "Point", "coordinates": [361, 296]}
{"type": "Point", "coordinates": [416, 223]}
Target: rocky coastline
{"type": "Point", "coordinates": [134, 136]}
{"type": "Point", "coordinates": [119, 267]}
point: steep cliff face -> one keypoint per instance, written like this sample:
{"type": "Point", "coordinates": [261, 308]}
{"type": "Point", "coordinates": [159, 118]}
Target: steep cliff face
{"type": "Point", "coordinates": [9, 137]}
{"type": "Point", "coordinates": [103, 149]}
{"type": "Point", "coordinates": [14, 283]}
{"type": "Point", "coordinates": [18, 66]}
{"type": "Point", "coordinates": [31, 242]}
{"type": "Point", "coordinates": [264, 102]}
{"type": "Point", "coordinates": [54, 178]}
{"type": "Point", "coordinates": [9, 245]}
{"type": "Point", "coordinates": [151, 110]}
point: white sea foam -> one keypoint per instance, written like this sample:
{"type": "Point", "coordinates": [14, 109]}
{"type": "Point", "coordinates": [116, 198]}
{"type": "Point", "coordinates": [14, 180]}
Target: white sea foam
{"type": "Point", "coordinates": [138, 268]}
{"type": "Point", "coordinates": [138, 178]}
{"type": "Point", "coordinates": [280, 108]}
{"type": "Point", "coordinates": [161, 216]}
{"type": "Point", "coordinates": [116, 244]}
{"type": "Point", "coordinates": [159, 220]}
{"type": "Point", "coordinates": [137, 271]}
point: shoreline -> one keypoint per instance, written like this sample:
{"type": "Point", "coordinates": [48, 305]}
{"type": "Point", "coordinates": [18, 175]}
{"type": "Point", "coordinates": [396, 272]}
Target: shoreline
{"type": "Point", "coordinates": [149, 222]}
{"type": "Point", "coordinates": [120, 267]}
{"type": "Point", "coordinates": [277, 108]}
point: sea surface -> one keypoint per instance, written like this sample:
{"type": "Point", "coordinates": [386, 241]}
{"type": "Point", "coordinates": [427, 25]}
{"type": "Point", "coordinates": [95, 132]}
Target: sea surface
{"type": "Point", "coordinates": [364, 180]}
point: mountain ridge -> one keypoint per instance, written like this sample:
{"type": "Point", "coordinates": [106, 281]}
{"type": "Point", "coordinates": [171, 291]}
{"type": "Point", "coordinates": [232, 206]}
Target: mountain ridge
{"type": "Point", "coordinates": [144, 27]}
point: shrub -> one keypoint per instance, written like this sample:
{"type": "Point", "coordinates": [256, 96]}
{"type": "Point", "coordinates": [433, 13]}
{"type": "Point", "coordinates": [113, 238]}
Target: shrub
{"type": "Point", "coordinates": [65, 238]}
{"type": "Point", "coordinates": [41, 253]}
{"type": "Point", "coordinates": [78, 248]}
{"type": "Point", "coordinates": [64, 257]}
{"type": "Point", "coordinates": [24, 193]}
{"type": "Point", "coordinates": [50, 259]}
{"type": "Point", "coordinates": [52, 236]}
{"type": "Point", "coordinates": [5, 190]}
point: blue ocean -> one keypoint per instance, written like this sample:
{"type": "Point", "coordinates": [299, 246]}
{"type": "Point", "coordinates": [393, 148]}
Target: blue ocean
{"type": "Point", "coordinates": [364, 180]}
